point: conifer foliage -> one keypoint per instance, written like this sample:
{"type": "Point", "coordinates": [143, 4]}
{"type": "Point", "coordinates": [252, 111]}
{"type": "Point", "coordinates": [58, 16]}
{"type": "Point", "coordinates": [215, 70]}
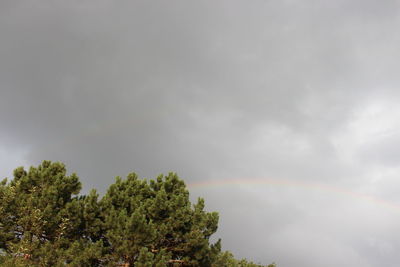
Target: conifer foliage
{"type": "Point", "coordinates": [44, 222]}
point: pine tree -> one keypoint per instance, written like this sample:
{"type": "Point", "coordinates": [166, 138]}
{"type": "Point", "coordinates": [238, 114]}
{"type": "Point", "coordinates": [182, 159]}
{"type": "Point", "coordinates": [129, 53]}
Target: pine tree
{"type": "Point", "coordinates": [41, 216]}
{"type": "Point", "coordinates": [158, 216]}
{"type": "Point", "coordinates": [226, 259]}
{"type": "Point", "coordinates": [137, 223]}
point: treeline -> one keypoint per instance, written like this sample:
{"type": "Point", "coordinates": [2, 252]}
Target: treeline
{"type": "Point", "coordinates": [45, 222]}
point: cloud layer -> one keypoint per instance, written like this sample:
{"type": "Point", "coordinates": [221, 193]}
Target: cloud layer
{"type": "Point", "coordinates": [299, 91]}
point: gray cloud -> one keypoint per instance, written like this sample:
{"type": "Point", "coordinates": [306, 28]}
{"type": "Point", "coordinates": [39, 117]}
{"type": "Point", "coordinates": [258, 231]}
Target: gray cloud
{"type": "Point", "coordinates": [294, 90]}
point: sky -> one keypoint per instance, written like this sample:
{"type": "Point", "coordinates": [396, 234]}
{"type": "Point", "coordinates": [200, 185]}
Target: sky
{"type": "Point", "coordinates": [282, 114]}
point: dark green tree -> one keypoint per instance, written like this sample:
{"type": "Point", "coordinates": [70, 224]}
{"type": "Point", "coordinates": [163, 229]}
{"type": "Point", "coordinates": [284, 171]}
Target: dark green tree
{"type": "Point", "coordinates": [41, 216]}
{"type": "Point", "coordinates": [44, 222]}
{"type": "Point", "coordinates": [226, 259]}
{"type": "Point", "coordinates": [158, 216]}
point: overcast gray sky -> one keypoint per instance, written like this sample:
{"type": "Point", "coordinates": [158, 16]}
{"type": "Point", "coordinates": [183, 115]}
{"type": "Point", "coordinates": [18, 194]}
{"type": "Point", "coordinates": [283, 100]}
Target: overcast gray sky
{"type": "Point", "coordinates": [300, 95]}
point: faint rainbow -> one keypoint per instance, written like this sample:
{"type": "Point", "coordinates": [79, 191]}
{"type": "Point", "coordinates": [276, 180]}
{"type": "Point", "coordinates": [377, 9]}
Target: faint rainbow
{"type": "Point", "coordinates": [298, 184]}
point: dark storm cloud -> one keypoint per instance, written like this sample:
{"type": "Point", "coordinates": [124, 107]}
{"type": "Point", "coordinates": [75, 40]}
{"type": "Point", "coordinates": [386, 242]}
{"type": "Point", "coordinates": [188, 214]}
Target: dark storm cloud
{"type": "Point", "coordinates": [212, 90]}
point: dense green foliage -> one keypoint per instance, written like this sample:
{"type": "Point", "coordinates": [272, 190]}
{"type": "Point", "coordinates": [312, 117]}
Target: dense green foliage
{"type": "Point", "coordinates": [44, 222]}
